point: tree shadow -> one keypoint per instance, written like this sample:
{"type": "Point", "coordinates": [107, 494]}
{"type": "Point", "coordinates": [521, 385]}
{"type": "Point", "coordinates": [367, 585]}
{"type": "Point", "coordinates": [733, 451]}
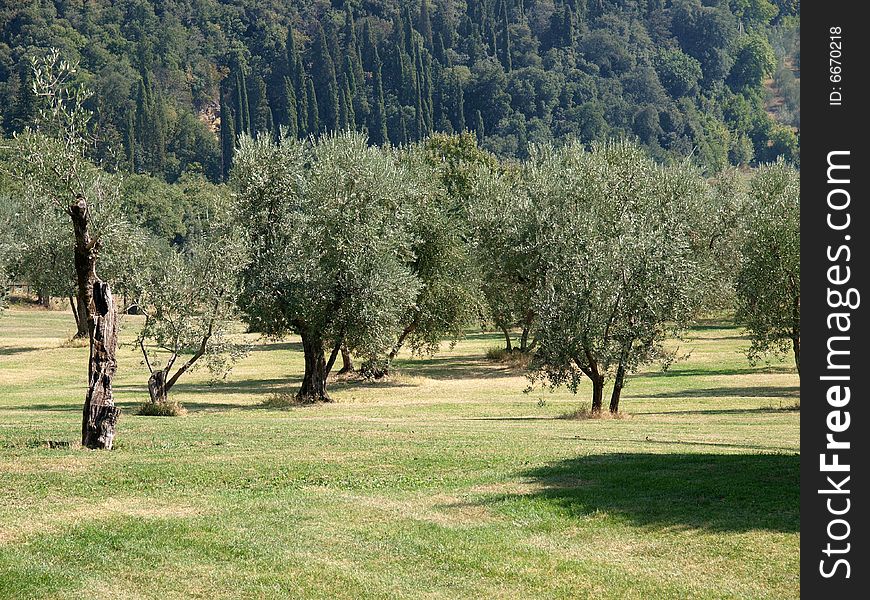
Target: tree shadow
{"type": "Point", "coordinates": [722, 411]}
{"type": "Point", "coordinates": [266, 346]}
{"type": "Point", "coordinates": [456, 367]}
{"type": "Point", "coordinates": [717, 492]}
{"type": "Point", "coordinates": [769, 370]}
{"type": "Point", "coordinates": [736, 392]}
{"type": "Point", "coordinates": [10, 350]}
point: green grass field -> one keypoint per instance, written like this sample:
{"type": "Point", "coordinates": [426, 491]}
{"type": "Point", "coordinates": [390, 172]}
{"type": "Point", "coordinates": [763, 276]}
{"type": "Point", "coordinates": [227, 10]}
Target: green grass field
{"type": "Point", "coordinates": [445, 482]}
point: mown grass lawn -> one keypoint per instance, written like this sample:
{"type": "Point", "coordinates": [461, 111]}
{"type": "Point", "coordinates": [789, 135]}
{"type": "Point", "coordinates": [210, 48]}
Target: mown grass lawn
{"type": "Point", "coordinates": [446, 482]}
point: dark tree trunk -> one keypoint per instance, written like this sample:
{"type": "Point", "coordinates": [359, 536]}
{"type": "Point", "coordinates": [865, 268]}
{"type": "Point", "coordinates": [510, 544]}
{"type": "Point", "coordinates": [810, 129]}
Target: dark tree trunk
{"type": "Point", "coordinates": [80, 313]}
{"type": "Point", "coordinates": [314, 381]}
{"type": "Point", "coordinates": [43, 299]}
{"type": "Point", "coordinates": [346, 361]}
{"type": "Point", "coordinates": [99, 414]}
{"type": "Point", "coordinates": [597, 393]}
{"type": "Point", "coordinates": [508, 346]}
{"type": "Point", "coordinates": [157, 387]}
{"type": "Point", "coordinates": [618, 384]}
{"type": "Point", "coordinates": [527, 327]}
{"type": "Point", "coordinates": [402, 337]}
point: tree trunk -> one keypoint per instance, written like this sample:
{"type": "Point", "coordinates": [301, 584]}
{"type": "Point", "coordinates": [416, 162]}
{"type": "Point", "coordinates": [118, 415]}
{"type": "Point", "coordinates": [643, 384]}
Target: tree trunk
{"type": "Point", "coordinates": [99, 414]}
{"type": "Point", "coordinates": [508, 346]}
{"type": "Point", "coordinates": [618, 383]}
{"type": "Point", "coordinates": [43, 299]}
{"type": "Point", "coordinates": [402, 337]}
{"type": "Point", "coordinates": [80, 313]}
{"type": "Point", "coordinates": [346, 361]}
{"type": "Point", "coordinates": [597, 393]}
{"type": "Point", "coordinates": [527, 327]}
{"type": "Point", "coordinates": [157, 387]}
{"type": "Point", "coordinates": [314, 381]}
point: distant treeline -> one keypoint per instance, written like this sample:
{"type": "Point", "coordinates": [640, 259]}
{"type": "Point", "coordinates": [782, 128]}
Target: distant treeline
{"type": "Point", "coordinates": [178, 81]}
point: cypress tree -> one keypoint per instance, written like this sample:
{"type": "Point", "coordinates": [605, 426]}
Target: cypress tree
{"type": "Point", "coordinates": [567, 26]}
{"type": "Point", "coordinates": [459, 106]}
{"type": "Point", "coordinates": [292, 119]}
{"type": "Point", "coordinates": [301, 98]}
{"type": "Point", "coordinates": [325, 84]}
{"type": "Point", "coordinates": [242, 106]}
{"type": "Point", "coordinates": [293, 60]}
{"type": "Point", "coordinates": [313, 125]}
{"type": "Point", "coordinates": [424, 24]}
{"type": "Point", "coordinates": [505, 38]}
{"type": "Point", "coordinates": [130, 141]}
{"type": "Point", "coordinates": [378, 117]}
{"type": "Point", "coordinates": [478, 127]}
{"type": "Point", "coordinates": [261, 114]}
{"type": "Point", "coordinates": [228, 138]}
{"type": "Point", "coordinates": [370, 58]}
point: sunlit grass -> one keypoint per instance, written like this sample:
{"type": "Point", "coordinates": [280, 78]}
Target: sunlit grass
{"type": "Point", "coordinates": [444, 481]}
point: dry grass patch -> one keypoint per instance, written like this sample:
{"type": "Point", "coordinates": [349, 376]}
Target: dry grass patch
{"type": "Point", "coordinates": [51, 521]}
{"type": "Point", "coordinates": [584, 414]}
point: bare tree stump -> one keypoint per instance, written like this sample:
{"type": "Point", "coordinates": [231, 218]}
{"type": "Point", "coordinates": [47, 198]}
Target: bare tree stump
{"type": "Point", "coordinates": [99, 415]}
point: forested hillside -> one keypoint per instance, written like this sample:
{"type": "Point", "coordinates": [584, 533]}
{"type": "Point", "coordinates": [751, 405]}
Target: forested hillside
{"type": "Point", "coordinates": [176, 82]}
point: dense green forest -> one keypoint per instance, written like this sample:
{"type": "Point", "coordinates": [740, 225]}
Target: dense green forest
{"type": "Point", "coordinates": [177, 82]}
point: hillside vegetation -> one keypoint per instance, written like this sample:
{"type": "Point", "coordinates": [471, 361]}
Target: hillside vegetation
{"type": "Point", "coordinates": [177, 81]}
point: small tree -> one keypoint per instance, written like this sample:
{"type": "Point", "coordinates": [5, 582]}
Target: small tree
{"type": "Point", "coordinates": [189, 303]}
{"type": "Point", "coordinates": [769, 279]}
{"type": "Point", "coordinates": [619, 265]}
{"type": "Point", "coordinates": [329, 235]}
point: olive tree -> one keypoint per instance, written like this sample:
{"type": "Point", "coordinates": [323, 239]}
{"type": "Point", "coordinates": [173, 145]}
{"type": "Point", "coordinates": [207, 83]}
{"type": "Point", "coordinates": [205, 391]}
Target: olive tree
{"type": "Point", "coordinates": [620, 268]}
{"type": "Point", "coordinates": [189, 301]}
{"type": "Point", "coordinates": [448, 298]}
{"type": "Point", "coordinates": [504, 226]}
{"type": "Point", "coordinates": [768, 283]}
{"type": "Point", "coordinates": [328, 230]}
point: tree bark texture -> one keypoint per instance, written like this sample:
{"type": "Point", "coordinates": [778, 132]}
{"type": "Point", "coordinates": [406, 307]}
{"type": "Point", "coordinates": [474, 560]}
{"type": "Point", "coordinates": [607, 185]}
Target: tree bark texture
{"type": "Point", "coordinates": [618, 384]}
{"type": "Point", "coordinates": [314, 381]}
{"type": "Point", "coordinates": [80, 313]}
{"type": "Point", "coordinates": [99, 414]}
{"type": "Point", "coordinates": [157, 387]}
{"type": "Point", "coordinates": [346, 361]}
{"type": "Point", "coordinates": [508, 346]}
{"type": "Point", "coordinates": [597, 393]}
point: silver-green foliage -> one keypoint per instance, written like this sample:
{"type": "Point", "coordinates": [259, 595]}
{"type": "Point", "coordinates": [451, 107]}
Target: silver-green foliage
{"type": "Point", "coordinates": [769, 278]}
{"type": "Point", "coordinates": [331, 242]}
{"type": "Point", "coordinates": [620, 260]}
{"type": "Point", "coordinates": [189, 301]}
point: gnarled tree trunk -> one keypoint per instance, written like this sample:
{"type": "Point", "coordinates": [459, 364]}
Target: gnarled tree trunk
{"type": "Point", "coordinates": [317, 368]}
{"type": "Point", "coordinates": [99, 414]}
{"type": "Point", "coordinates": [157, 387]}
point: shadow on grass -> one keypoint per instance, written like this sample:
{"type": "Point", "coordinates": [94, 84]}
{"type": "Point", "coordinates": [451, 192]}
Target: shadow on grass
{"type": "Point", "coordinates": [265, 346]}
{"type": "Point", "coordinates": [735, 392]}
{"type": "Point", "coordinates": [724, 411]}
{"type": "Point", "coordinates": [10, 350]}
{"type": "Point", "coordinates": [770, 370]}
{"type": "Point", "coordinates": [718, 492]}
{"type": "Point", "coordinates": [456, 367]}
